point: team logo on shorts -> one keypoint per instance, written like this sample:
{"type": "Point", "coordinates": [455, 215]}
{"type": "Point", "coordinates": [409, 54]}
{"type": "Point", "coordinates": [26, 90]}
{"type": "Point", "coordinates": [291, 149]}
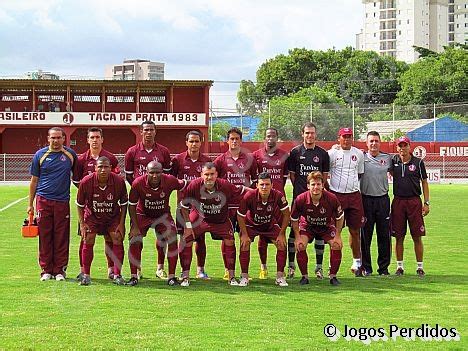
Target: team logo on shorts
{"type": "Point", "coordinates": [322, 210]}
{"type": "Point", "coordinates": [110, 197]}
{"type": "Point", "coordinates": [63, 158]}
{"type": "Point", "coordinates": [412, 168]}
{"type": "Point", "coordinates": [354, 158]}
{"type": "Point", "coordinates": [316, 159]}
{"type": "Point", "coordinates": [421, 229]}
{"type": "Point", "coordinates": [163, 194]}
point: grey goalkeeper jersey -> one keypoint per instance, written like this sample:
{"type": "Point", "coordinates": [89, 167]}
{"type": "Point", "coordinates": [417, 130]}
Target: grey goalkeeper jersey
{"type": "Point", "coordinates": [374, 181]}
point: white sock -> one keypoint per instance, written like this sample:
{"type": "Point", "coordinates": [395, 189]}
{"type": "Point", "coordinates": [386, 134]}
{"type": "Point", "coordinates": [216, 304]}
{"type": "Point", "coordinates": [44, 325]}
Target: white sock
{"type": "Point", "coordinates": [399, 264]}
{"type": "Point", "coordinates": [420, 265]}
{"type": "Point", "coordinates": [356, 262]}
{"type": "Point", "coordinates": [263, 266]}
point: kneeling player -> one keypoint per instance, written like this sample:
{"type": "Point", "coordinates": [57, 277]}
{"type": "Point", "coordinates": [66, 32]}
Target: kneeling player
{"type": "Point", "coordinates": [317, 214]}
{"type": "Point", "coordinates": [256, 217]}
{"type": "Point", "coordinates": [102, 206]}
{"type": "Point", "coordinates": [149, 208]}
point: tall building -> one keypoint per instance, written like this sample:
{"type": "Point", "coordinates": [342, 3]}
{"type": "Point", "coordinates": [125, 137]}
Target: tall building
{"type": "Point", "coordinates": [40, 74]}
{"type": "Point", "coordinates": [136, 70]}
{"type": "Point", "coordinates": [393, 27]}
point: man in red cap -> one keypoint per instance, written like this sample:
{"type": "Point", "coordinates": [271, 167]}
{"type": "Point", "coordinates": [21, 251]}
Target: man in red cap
{"type": "Point", "coordinates": [346, 166]}
{"type": "Point", "coordinates": [409, 172]}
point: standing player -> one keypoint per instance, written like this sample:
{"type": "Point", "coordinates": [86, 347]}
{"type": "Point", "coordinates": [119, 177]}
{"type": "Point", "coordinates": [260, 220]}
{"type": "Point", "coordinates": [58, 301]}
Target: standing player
{"type": "Point", "coordinates": [303, 159]}
{"type": "Point", "coordinates": [137, 158]}
{"type": "Point", "coordinates": [187, 166]}
{"type": "Point", "coordinates": [376, 203]}
{"type": "Point", "coordinates": [102, 207]}
{"type": "Point", "coordinates": [50, 186]}
{"type": "Point", "coordinates": [409, 172]}
{"type": "Point", "coordinates": [346, 166]}
{"type": "Point", "coordinates": [208, 197]}
{"type": "Point", "coordinates": [238, 168]}
{"type": "Point", "coordinates": [272, 160]}
{"type": "Point", "coordinates": [87, 165]}
{"type": "Point", "coordinates": [317, 213]}
{"type": "Point", "coordinates": [257, 216]}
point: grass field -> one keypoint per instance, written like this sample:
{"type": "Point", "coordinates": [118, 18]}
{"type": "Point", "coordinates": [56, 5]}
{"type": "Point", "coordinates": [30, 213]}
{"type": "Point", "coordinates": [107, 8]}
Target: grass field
{"type": "Point", "coordinates": [212, 315]}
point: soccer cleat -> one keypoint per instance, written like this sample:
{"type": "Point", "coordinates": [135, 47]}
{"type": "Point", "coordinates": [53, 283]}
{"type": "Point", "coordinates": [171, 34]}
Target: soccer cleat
{"type": "Point", "coordinates": [354, 269]}
{"type": "Point", "coordinates": [384, 273]}
{"type": "Point", "coordinates": [243, 281]}
{"type": "Point", "coordinates": [233, 282]}
{"type": "Point", "coordinates": [173, 282]}
{"type": "Point", "coordinates": [360, 272]}
{"type": "Point", "coordinates": [185, 282]}
{"type": "Point", "coordinates": [132, 282]}
{"type": "Point", "coordinates": [263, 274]}
{"type": "Point", "coordinates": [85, 280]}
{"type": "Point", "coordinates": [46, 276]}
{"type": "Point", "coordinates": [202, 275]}
{"type": "Point", "coordinates": [420, 272]}
{"type": "Point", "coordinates": [161, 274]}
{"type": "Point", "coordinates": [226, 275]}
{"type": "Point", "coordinates": [119, 280]}
{"type": "Point", "coordinates": [304, 281]}
{"type": "Point", "coordinates": [399, 271]}
{"type": "Point", "coordinates": [319, 273]}
{"type": "Point", "coordinates": [59, 277]}
{"type": "Point", "coordinates": [79, 276]}
{"type": "Point", "coordinates": [334, 281]}
{"type": "Point", "coordinates": [281, 282]}
{"type": "Point", "coordinates": [110, 275]}
{"type": "Point", "coordinates": [291, 272]}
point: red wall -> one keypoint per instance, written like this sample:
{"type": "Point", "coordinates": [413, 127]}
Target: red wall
{"type": "Point", "coordinates": [189, 99]}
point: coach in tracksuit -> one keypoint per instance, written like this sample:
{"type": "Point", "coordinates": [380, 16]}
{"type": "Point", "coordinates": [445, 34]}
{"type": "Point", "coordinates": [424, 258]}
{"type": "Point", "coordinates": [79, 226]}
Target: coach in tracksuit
{"type": "Point", "coordinates": [374, 190]}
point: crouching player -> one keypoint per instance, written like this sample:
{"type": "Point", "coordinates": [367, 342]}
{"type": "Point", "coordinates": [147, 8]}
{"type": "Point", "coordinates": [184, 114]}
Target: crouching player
{"type": "Point", "coordinates": [102, 207]}
{"type": "Point", "coordinates": [317, 214]}
{"type": "Point", "coordinates": [149, 208]}
{"type": "Point", "coordinates": [256, 217]}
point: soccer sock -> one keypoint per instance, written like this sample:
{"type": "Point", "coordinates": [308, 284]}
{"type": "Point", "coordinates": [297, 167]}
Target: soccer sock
{"type": "Point", "coordinates": [302, 261]}
{"type": "Point", "coordinates": [161, 248]}
{"type": "Point", "coordinates": [230, 253]}
{"type": "Point", "coordinates": [420, 265]}
{"type": "Point", "coordinates": [291, 249]}
{"type": "Point", "coordinates": [87, 257]}
{"type": "Point", "coordinates": [319, 249]}
{"type": "Point", "coordinates": [280, 260]}
{"type": "Point", "coordinates": [335, 262]}
{"type": "Point", "coordinates": [119, 254]}
{"type": "Point", "coordinates": [134, 257]}
{"type": "Point", "coordinates": [244, 259]}
{"type": "Point", "coordinates": [399, 264]}
{"type": "Point", "coordinates": [223, 253]}
{"type": "Point", "coordinates": [200, 250]}
{"type": "Point", "coordinates": [108, 245]}
{"type": "Point", "coordinates": [80, 253]}
{"type": "Point", "coordinates": [172, 257]}
{"type": "Point", "coordinates": [357, 262]}
{"type": "Point", "coordinates": [185, 256]}
{"type": "Point", "coordinates": [262, 247]}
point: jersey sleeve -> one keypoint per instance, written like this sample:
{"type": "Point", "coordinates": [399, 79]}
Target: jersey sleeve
{"type": "Point", "coordinates": [295, 212]}
{"type": "Point", "coordinates": [291, 161]}
{"type": "Point", "coordinates": [81, 196]}
{"type": "Point", "coordinates": [422, 170]}
{"type": "Point", "coordinates": [134, 194]}
{"type": "Point", "coordinates": [243, 207]}
{"type": "Point", "coordinates": [282, 202]}
{"type": "Point", "coordinates": [177, 184]}
{"type": "Point", "coordinates": [129, 161]}
{"type": "Point", "coordinates": [167, 161]}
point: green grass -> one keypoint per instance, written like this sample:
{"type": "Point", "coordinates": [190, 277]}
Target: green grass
{"type": "Point", "coordinates": [212, 315]}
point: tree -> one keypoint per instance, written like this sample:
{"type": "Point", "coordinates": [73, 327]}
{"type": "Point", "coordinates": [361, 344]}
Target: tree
{"type": "Point", "coordinates": [251, 102]}
{"type": "Point", "coordinates": [218, 131]}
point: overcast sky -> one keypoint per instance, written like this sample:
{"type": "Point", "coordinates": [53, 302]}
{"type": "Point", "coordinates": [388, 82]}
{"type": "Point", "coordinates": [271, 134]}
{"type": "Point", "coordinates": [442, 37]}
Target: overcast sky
{"type": "Point", "coordinates": [221, 40]}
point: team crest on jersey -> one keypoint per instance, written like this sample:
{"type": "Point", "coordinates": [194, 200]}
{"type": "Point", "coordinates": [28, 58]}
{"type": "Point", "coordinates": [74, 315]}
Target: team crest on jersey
{"type": "Point", "coordinates": [241, 165]}
{"type": "Point", "coordinates": [163, 194]}
{"type": "Point", "coordinates": [322, 210]}
{"type": "Point", "coordinates": [278, 162]}
{"type": "Point", "coordinates": [316, 159]}
{"type": "Point", "coordinates": [383, 162]}
{"type": "Point", "coordinates": [412, 168]}
{"type": "Point", "coordinates": [269, 208]}
{"type": "Point", "coordinates": [199, 169]}
{"type": "Point", "coordinates": [110, 197]}
{"type": "Point", "coordinates": [62, 158]}
{"type": "Point", "coordinates": [354, 158]}
{"type": "Point", "coordinates": [218, 198]}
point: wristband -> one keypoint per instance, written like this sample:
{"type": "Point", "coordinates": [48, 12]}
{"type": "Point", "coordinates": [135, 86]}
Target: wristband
{"type": "Point", "coordinates": [427, 203]}
{"type": "Point", "coordinates": [188, 225]}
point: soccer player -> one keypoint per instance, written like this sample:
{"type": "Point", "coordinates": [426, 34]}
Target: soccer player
{"type": "Point", "coordinates": [273, 160]}
{"type": "Point", "coordinates": [50, 170]}
{"type": "Point", "coordinates": [257, 216]}
{"type": "Point", "coordinates": [208, 196]}
{"type": "Point", "coordinates": [187, 166]}
{"type": "Point", "coordinates": [409, 173]}
{"type": "Point", "coordinates": [303, 159]}
{"type": "Point", "coordinates": [137, 158]}
{"type": "Point", "coordinates": [317, 213]}
{"type": "Point", "coordinates": [238, 167]}
{"type": "Point", "coordinates": [376, 203]}
{"type": "Point", "coordinates": [346, 166]}
{"type": "Point", "coordinates": [87, 165]}
{"type": "Point", "coordinates": [102, 207]}
{"type": "Point", "coordinates": [149, 208]}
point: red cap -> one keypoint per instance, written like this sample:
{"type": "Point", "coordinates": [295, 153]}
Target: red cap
{"type": "Point", "coordinates": [345, 131]}
{"type": "Point", "coordinates": [403, 139]}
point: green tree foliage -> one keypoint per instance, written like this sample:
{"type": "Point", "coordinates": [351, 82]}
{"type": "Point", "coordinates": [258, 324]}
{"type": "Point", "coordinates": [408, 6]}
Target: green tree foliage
{"type": "Point", "coordinates": [218, 131]}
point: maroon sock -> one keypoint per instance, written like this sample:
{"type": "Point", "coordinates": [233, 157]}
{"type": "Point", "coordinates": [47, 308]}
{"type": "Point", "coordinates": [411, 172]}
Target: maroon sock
{"type": "Point", "coordinates": [244, 259]}
{"type": "Point", "coordinates": [200, 250]}
{"type": "Point", "coordinates": [302, 261]}
{"type": "Point", "coordinates": [80, 253]}
{"type": "Point", "coordinates": [230, 253]}
{"type": "Point", "coordinates": [262, 250]}
{"type": "Point", "coordinates": [172, 257]}
{"type": "Point", "coordinates": [223, 253]}
{"type": "Point", "coordinates": [118, 251]}
{"type": "Point", "coordinates": [185, 256]}
{"type": "Point", "coordinates": [87, 257]}
{"type": "Point", "coordinates": [335, 261]}
{"type": "Point", "coordinates": [280, 260]}
{"type": "Point", "coordinates": [161, 248]}
{"type": "Point", "coordinates": [108, 250]}
{"type": "Point", "coordinates": [134, 257]}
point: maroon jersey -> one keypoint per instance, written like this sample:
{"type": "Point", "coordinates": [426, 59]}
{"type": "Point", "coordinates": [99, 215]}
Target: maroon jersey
{"type": "Point", "coordinates": [262, 215]}
{"type": "Point", "coordinates": [86, 164]}
{"type": "Point", "coordinates": [102, 205]}
{"type": "Point", "coordinates": [137, 158]}
{"type": "Point", "coordinates": [275, 164]}
{"type": "Point", "coordinates": [154, 202]}
{"type": "Point", "coordinates": [316, 218]}
{"type": "Point", "coordinates": [212, 206]}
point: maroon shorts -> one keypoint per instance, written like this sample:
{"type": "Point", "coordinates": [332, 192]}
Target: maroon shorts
{"type": "Point", "coordinates": [103, 228]}
{"type": "Point", "coordinates": [270, 235]}
{"type": "Point", "coordinates": [353, 209]}
{"type": "Point", "coordinates": [163, 226]}
{"type": "Point", "coordinates": [407, 210]}
{"type": "Point", "coordinates": [219, 231]}
{"type": "Point", "coordinates": [326, 235]}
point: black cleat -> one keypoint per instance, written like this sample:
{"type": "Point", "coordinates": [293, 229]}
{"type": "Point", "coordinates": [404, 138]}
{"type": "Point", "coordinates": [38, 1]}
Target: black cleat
{"type": "Point", "coordinates": [420, 272]}
{"type": "Point", "coordinates": [334, 281]}
{"type": "Point", "coordinates": [399, 271]}
{"type": "Point", "coordinates": [132, 282]}
{"type": "Point", "coordinates": [304, 281]}
{"type": "Point", "coordinates": [385, 272]}
{"type": "Point", "coordinates": [119, 280]}
{"type": "Point", "coordinates": [85, 280]}
{"type": "Point", "coordinates": [173, 282]}
{"type": "Point", "coordinates": [80, 276]}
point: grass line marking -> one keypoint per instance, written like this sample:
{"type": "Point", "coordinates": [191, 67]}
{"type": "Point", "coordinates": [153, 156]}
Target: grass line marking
{"type": "Point", "coordinates": [12, 204]}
